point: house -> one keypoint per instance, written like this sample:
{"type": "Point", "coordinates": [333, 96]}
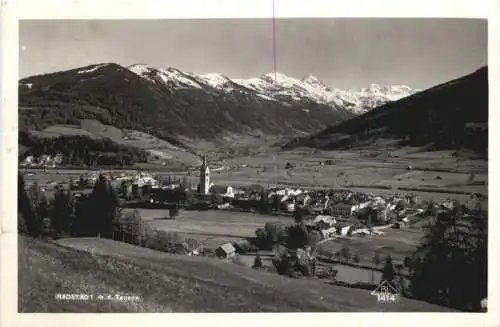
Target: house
{"type": "Point", "coordinates": [343, 209]}
{"type": "Point", "coordinates": [288, 205]}
{"type": "Point", "coordinates": [224, 191]}
{"type": "Point", "coordinates": [58, 159]}
{"type": "Point", "coordinates": [348, 208]}
{"type": "Point", "coordinates": [330, 232]}
{"type": "Point", "coordinates": [225, 251]}
{"type": "Point", "coordinates": [142, 179]}
{"type": "Point", "coordinates": [345, 230]}
{"type": "Point", "coordinates": [303, 199]}
{"type": "Point", "coordinates": [324, 222]}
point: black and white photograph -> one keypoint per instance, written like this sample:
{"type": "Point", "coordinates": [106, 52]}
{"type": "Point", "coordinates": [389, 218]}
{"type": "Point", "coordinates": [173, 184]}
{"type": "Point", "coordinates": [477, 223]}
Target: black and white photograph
{"type": "Point", "coordinates": [231, 165]}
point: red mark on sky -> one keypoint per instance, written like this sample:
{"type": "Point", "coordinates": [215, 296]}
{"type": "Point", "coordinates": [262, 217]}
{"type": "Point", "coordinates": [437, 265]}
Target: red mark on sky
{"type": "Point", "coordinates": [274, 42]}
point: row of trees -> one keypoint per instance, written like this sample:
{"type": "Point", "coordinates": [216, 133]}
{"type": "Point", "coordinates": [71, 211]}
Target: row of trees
{"type": "Point", "coordinates": [97, 214]}
{"type": "Point", "coordinates": [82, 150]}
{"type": "Point", "coordinates": [93, 215]}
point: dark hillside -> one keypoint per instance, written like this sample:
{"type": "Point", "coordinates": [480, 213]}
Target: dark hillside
{"type": "Point", "coordinates": [116, 96]}
{"type": "Point", "coordinates": [448, 116]}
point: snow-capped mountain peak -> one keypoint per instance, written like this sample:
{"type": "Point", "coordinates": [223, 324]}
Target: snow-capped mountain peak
{"type": "Point", "coordinates": [170, 76]}
{"type": "Point", "coordinates": [140, 69]}
{"type": "Point", "coordinates": [314, 81]}
{"type": "Point", "coordinates": [216, 80]}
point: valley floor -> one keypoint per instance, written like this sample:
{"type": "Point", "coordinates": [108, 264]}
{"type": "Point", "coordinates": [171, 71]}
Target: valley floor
{"type": "Point", "coordinates": [373, 169]}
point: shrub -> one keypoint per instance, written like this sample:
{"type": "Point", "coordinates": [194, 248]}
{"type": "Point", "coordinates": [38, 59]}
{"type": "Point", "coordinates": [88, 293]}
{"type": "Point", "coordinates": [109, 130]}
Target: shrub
{"type": "Point", "coordinates": [273, 231]}
{"type": "Point", "coordinates": [129, 228]}
{"type": "Point", "coordinates": [313, 238]}
{"type": "Point", "coordinates": [242, 247]}
{"type": "Point", "coordinates": [261, 238]}
{"type": "Point", "coordinates": [191, 244]}
{"type": "Point", "coordinates": [355, 259]}
{"type": "Point", "coordinates": [345, 253]}
{"type": "Point", "coordinates": [170, 242]}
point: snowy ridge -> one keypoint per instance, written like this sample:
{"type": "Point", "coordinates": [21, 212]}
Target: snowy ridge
{"type": "Point", "coordinates": [216, 80]}
{"type": "Point", "coordinates": [90, 70]}
{"type": "Point", "coordinates": [280, 87]}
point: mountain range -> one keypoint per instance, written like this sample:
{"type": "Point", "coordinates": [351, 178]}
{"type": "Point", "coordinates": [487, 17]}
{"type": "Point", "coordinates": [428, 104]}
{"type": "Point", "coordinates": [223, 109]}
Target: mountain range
{"type": "Point", "coordinates": [186, 109]}
{"type": "Point", "coordinates": [175, 110]}
{"type": "Point", "coordinates": [281, 88]}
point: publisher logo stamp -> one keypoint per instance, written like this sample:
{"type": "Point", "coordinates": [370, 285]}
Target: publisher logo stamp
{"type": "Point", "coordinates": [386, 293]}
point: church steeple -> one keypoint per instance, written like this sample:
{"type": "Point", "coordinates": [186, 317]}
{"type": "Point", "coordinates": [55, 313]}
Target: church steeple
{"type": "Point", "coordinates": [204, 165]}
{"type": "Point", "coordinates": [204, 176]}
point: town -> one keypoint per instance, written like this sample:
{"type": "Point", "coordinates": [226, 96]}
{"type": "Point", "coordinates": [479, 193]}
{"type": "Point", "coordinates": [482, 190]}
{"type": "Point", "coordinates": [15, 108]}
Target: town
{"type": "Point", "coordinates": [346, 235]}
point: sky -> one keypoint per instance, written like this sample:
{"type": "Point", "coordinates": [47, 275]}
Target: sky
{"type": "Point", "coordinates": [347, 53]}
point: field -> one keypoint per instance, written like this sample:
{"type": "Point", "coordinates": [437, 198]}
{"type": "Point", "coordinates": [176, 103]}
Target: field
{"type": "Point", "coordinates": [397, 243]}
{"type": "Point", "coordinates": [213, 227]}
{"type": "Point", "coordinates": [172, 283]}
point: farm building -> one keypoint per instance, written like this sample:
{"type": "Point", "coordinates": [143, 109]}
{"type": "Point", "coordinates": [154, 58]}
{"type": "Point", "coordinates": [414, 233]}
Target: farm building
{"type": "Point", "coordinates": [225, 251]}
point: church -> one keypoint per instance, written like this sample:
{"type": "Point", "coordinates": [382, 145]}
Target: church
{"type": "Point", "coordinates": [207, 187]}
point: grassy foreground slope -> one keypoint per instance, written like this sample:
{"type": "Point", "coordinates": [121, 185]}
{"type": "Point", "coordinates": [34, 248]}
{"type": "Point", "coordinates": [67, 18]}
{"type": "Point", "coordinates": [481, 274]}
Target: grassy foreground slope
{"type": "Point", "coordinates": [171, 283]}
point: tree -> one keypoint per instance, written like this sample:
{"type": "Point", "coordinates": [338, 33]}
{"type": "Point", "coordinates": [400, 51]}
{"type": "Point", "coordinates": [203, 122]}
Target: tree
{"type": "Point", "coordinates": [82, 182]}
{"type": "Point", "coordinates": [62, 211]}
{"type": "Point", "coordinates": [261, 238]}
{"type": "Point", "coordinates": [257, 262]}
{"type": "Point", "coordinates": [313, 238]}
{"type": "Point", "coordinates": [104, 207]}
{"type": "Point", "coordinates": [399, 268]}
{"type": "Point", "coordinates": [388, 272]}
{"type": "Point", "coordinates": [263, 204]}
{"type": "Point", "coordinates": [173, 212]}
{"type": "Point", "coordinates": [40, 204]}
{"type": "Point", "coordinates": [27, 221]}
{"type": "Point", "coordinates": [83, 222]}
{"type": "Point", "coordinates": [216, 199]}
{"type": "Point", "coordinates": [276, 203]}
{"type": "Point", "coordinates": [298, 236]}
{"type": "Point", "coordinates": [273, 231]}
{"type": "Point", "coordinates": [356, 259]}
{"type": "Point", "coordinates": [298, 215]}
{"type": "Point", "coordinates": [376, 261]}
{"type": "Point", "coordinates": [453, 271]}
{"type": "Point", "coordinates": [184, 183]}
